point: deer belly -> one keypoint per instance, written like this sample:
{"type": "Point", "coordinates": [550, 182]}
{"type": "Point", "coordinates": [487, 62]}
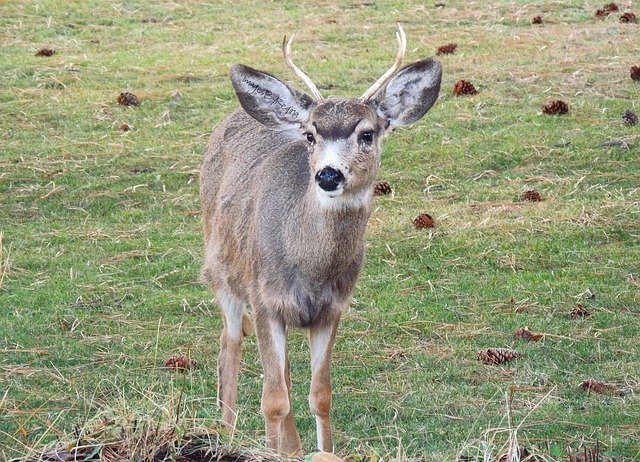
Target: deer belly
{"type": "Point", "coordinates": [301, 305]}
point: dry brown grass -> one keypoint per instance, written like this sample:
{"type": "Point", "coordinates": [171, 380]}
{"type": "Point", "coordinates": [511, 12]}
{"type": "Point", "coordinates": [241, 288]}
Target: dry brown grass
{"type": "Point", "coordinates": [4, 260]}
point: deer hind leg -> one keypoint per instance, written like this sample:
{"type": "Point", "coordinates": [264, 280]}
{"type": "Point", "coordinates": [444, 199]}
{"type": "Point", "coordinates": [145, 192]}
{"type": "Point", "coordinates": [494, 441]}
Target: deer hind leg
{"type": "Point", "coordinates": [321, 340]}
{"type": "Point", "coordinates": [237, 324]}
{"type": "Point", "coordinates": [276, 407]}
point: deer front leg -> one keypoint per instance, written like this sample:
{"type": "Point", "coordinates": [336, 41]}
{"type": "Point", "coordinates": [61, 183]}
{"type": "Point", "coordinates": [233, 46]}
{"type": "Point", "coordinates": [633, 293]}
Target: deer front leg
{"type": "Point", "coordinates": [237, 324]}
{"type": "Point", "coordinates": [291, 444]}
{"type": "Point", "coordinates": [276, 407]}
{"type": "Point", "coordinates": [321, 340]}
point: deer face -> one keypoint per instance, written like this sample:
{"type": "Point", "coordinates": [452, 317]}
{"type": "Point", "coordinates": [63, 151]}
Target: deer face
{"type": "Point", "coordinates": [343, 138]}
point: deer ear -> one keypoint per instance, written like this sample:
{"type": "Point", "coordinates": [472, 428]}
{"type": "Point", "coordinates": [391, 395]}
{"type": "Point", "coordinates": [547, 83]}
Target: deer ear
{"type": "Point", "coordinates": [268, 100]}
{"type": "Point", "coordinates": [411, 93]}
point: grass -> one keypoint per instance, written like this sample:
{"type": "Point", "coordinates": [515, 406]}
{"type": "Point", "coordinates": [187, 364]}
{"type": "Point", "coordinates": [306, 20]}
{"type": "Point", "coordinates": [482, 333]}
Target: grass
{"type": "Point", "coordinates": [100, 234]}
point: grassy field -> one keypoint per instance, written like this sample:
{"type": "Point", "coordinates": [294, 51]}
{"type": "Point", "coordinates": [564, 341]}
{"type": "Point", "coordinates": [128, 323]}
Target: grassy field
{"type": "Point", "coordinates": [101, 246]}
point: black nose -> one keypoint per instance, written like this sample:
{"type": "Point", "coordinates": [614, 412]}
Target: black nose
{"type": "Point", "coordinates": [329, 178]}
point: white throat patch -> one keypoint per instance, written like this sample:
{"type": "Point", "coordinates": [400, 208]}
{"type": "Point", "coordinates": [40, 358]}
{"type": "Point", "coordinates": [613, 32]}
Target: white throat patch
{"type": "Point", "coordinates": [338, 200]}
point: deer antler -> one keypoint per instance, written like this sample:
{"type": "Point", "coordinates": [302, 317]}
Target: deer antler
{"type": "Point", "coordinates": [286, 53]}
{"type": "Point", "coordinates": [402, 47]}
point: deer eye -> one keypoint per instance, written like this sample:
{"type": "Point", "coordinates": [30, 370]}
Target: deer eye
{"type": "Point", "coordinates": [310, 138]}
{"type": "Point", "coordinates": [367, 137]}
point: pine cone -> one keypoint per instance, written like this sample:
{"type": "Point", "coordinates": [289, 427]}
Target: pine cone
{"type": "Point", "coordinates": [497, 355]}
{"type": "Point", "coordinates": [447, 49]}
{"type": "Point", "coordinates": [536, 20]}
{"type": "Point", "coordinates": [424, 220]}
{"type": "Point", "coordinates": [602, 13]}
{"type": "Point", "coordinates": [628, 17]}
{"type": "Point", "coordinates": [45, 52]}
{"type": "Point", "coordinates": [597, 386]}
{"type": "Point", "coordinates": [530, 196]}
{"type": "Point", "coordinates": [525, 334]}
{"type": "Point", "coordinates": [579, 311]}
{"type": "Point", "coordinates": [382, 188]}
{"type": "Point", "coordinates": [555, 107]}
{"type": "Point", "coordinates": [180, 363]}
{"type": "Point", "coordinates": [464, 87]}
{"type": "Point", "coordinates": [128, 99]}
{"type": "Point", "coordinates": [629, 117]}
{"type": "Point", "coordinates": [635, 72]}
{"type": "Point", "coordinates": [610, 7]}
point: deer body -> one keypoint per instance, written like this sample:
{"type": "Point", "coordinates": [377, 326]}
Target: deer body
{"type": "Point", "coordinates": [274, 243]}
{"type": "Point", "coordinates": [286, 186]}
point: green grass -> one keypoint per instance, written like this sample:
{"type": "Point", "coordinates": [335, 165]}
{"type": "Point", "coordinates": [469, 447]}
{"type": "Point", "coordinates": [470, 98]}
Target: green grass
{"type": "Point", "coordinates": [101, 240]}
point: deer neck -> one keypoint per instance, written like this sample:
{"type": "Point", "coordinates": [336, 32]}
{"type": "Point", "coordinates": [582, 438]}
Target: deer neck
{"type": "Point", "coordinates": [330, 236]}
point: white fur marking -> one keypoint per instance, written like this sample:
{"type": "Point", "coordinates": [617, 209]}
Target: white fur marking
{"type": "Point", "coordinates": [233, 309]}
{"type": "Point", "coordinates": [344, 201]}
{"type": "Point", "coordinates": [319, 434]}
{"type": "Point", "coordinates": [319, 347]}
{"type": "Point", "coordinates": [279, 337]}
{"type": "Point", "coordinates": [331, 156]}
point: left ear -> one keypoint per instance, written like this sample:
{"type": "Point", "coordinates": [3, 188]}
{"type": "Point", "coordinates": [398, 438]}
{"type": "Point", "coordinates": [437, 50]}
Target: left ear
{"type": "Point", "coordinates": [411, 93]}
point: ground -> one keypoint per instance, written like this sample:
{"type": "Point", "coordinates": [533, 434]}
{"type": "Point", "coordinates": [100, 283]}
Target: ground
{"type": "Point", "coordinates": [101, 241]}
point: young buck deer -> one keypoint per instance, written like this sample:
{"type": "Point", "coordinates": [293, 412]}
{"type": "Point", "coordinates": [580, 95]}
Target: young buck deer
{"type": "Point", "coordinates": [286, 188]}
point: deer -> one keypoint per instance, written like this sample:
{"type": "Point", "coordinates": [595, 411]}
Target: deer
{"type": "Point", "coordinates": [286, 186]}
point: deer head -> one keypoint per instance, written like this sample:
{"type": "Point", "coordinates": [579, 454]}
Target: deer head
{"type": "Point", "coordinates": [342, 135]}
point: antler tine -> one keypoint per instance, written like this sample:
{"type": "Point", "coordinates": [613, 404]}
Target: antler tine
{"type": "Point", "coordinates": [402, 48]}
{"type": "Point", "coordinates": [286, 53]}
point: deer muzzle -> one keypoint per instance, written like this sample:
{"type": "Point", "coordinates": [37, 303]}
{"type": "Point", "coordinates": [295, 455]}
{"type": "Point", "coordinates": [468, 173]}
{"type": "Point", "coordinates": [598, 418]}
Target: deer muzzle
{"type": "Point", "coordinates": [329, 179]}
